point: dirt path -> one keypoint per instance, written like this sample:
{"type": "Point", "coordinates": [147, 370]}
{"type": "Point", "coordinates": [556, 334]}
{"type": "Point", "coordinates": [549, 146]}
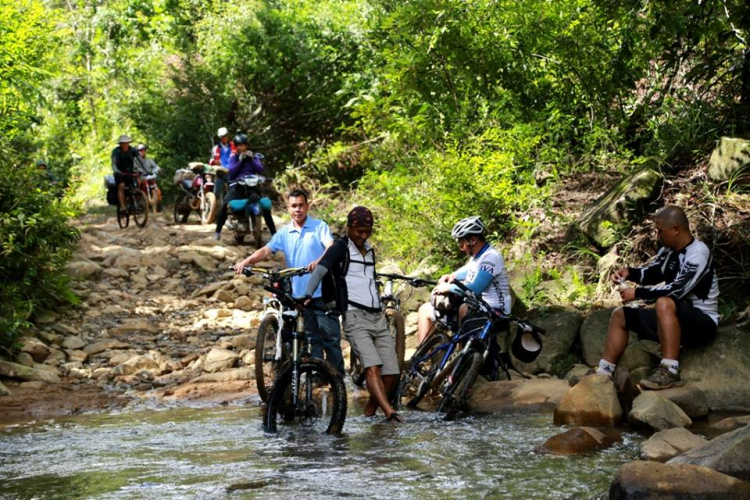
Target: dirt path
{"type": "Point", "coordinates": [161, 316]}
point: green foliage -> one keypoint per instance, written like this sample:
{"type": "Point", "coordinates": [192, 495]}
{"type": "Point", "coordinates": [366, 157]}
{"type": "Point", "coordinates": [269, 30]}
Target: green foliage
{"type": "Point", "coordinates": [35, 243]}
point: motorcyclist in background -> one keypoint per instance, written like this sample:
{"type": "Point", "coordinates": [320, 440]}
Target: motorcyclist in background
{"type": "Point", "coordinates": [149, 170]}
{"type": "Point", "coordinates": [220, 158]}
{"type": "Point", "coordinates": [242, 163]}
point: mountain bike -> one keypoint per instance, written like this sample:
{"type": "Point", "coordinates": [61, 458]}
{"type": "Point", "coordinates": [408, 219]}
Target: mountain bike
{"type": "Point", "coordinates": [279, 315]}
{"type": "Point", "coordinates": [136, 204]}
{"type": "Point", "coordinates": [453, 363]}
{"type": "Point", "coordinates": [308, 391]}
{"type": "Point", "coordinates": [391, 302]}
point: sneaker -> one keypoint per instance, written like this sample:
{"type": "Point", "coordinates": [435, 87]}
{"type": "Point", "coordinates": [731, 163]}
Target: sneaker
{"type": "Point", "coordinates": [217, 237]}
{"type": "Point", "coordinates": [662, 378]}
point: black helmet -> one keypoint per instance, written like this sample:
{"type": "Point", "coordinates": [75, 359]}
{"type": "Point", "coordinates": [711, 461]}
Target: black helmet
{"type": "Point", "coordinates": [240, 139]}
{"type": "Point", "coordinates": [526, 346]}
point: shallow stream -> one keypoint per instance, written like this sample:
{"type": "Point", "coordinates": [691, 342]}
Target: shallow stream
{"type": "Point", "coordinates": [222, 452]}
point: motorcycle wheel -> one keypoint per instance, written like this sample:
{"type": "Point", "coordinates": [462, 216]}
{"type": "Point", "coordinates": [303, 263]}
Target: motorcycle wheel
{"type": "Point", "coordinates": [208, 208]}
{"type": "Point", "coordinates": [215, 207]}
{"type": "Point", "coordinates": [257, 230]}
{"type": "Point", "coordinates": [153, 202]}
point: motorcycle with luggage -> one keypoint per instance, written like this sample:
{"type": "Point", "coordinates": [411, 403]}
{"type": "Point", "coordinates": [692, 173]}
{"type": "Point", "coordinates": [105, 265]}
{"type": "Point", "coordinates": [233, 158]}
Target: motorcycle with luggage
{"type": "Point", "coordinates": [196, 185]}
{"type": "Point", "coordinates": [245, 213]}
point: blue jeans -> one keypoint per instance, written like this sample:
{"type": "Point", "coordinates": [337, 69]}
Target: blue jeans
{"type": "Point", "coordinates": [324, 334]}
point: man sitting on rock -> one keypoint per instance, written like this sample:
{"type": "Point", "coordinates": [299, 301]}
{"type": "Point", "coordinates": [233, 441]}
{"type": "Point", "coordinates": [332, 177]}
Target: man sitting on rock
{"type": "Point", "coordinates": [682, 283]}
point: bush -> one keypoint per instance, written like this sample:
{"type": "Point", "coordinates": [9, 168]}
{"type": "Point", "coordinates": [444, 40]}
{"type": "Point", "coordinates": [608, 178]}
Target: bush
{"type": "Point", "coordinates": [35, 243]}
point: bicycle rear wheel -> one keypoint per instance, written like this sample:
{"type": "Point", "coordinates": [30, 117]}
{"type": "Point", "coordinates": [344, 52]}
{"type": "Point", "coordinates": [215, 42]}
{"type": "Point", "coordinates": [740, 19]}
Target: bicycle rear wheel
{"type": "Point", "coordinates": [267, 367]}
{"type": "Point", "coordinates": [456, 394]}
{"type": "Point", "coordinates": [321, 406]}
{"type": "Point", "coordinates": [416, 379]}
{"type": "Point", "coordinates": [140, 208]}
{"type": "Point", "coordinates": [396, 326]}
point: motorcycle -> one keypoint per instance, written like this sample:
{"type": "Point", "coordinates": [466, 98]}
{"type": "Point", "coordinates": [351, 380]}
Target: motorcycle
{"type": "Point", "coordinates": [197, 192]}
{"type": "Point", "coordinates": [246, 213]}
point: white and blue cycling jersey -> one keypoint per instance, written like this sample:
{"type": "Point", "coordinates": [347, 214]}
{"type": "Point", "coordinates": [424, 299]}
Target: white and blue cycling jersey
{"type": "Point", "coordinates": [485, 274]}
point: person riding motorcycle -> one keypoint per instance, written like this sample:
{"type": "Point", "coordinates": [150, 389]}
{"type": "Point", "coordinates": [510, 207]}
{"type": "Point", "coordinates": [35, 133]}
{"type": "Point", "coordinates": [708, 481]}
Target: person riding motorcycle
{"type": "Point", "coordinates": [149, 170]}
{"type": "Point", "coordinates": [125, 160]}
{"type": "Point", "coordinates": [242, 163]}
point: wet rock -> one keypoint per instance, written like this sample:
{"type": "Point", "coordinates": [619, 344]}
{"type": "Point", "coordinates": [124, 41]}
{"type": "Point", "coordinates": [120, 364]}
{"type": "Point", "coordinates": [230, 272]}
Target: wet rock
{"type": "Point", "coordinates": [37, 349]}
{"type": "Point", "coordinates": [691, 399]}
{"type": "Point", "coordinates": [727, 454]}
{"type": "Point", "coordinates": [578, 440]}
{"type": "Point", "coordinates": [228, 375]}
{"type": "Point", "coordinates": [220, 359]}
{"type": "Point", "coordinates": [25, 359]}
{"type": "Point", "coordinates": [721, 370]}
{"type": "Point", "coordinates": [4, 391]}
{"type": "Point", "coordinates": [731, 423]}
{"type": "Point", "coordinates": [73, 343]}
{"type": "Point", "coordinates": [575, 374]}
{"type": "Point", "coordinates": [82, 269]}
{"type": "Point", "coordinates": [530, 394]}
{"type": "Point", "coordinates": [652, 480]}
{"type": "Point", "coordinates": [654, 411]}
{"type": "Point", "coordinates": [593, 402]}
{"type": "Point", "coordinates": [563, 326]}
{"type": "Point", "coordinates": [103, 345]}
{"type": "Point", "coordinates": [14, 370]}
{"type": "Point", "coordinates": [669, 443]}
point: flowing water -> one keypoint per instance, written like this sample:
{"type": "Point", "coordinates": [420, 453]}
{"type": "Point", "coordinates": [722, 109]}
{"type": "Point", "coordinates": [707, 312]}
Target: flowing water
{"type": "Point", "coordinates": [216, 453]}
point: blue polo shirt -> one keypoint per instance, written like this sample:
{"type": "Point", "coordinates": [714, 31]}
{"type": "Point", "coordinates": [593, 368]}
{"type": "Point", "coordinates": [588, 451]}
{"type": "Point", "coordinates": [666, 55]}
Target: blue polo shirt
{"type": "Point", "coordinates": [300, 247]}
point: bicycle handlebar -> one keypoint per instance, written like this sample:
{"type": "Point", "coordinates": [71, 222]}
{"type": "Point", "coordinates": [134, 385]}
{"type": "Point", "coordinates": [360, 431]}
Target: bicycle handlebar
{"type": "Point", "coordinates": [273, 274]}
{"type": "Point", "coordinates": [415, 282]}
{"type": "Point", "coordinates": [522, 323]}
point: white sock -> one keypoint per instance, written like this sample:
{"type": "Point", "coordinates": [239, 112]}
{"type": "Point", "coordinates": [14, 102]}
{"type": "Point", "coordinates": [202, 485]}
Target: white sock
{"type": "Point", "coordinates": [605, 368]}
{"type": "Point", "coordinates": [672, 364]}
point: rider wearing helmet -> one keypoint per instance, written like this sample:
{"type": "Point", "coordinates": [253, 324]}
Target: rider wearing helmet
{"type": "Point", "coordinates": [220, 155]}
{"type": "Point", "coordinates": [125, 160]}
{"type": "Point", "coordinates": [484, 274]}
{"type": "Point", "coordinates": [242, 162]}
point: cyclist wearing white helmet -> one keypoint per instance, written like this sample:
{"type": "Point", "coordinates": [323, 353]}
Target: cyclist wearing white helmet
{"type": "Point", "coordinates": [220, 155]}
{"type": "Point", "coordinates": [484, 274]}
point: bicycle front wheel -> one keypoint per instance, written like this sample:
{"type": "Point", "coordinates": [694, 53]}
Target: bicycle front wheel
{"type": "Point", "coordinates": [416, 379]}
{"type": "Point", "coordinates": [396, 326]}
{"type": "Point", "coordinates": [458, 387]}
{"type": "Point", "coordinates": [140, 208]}
{"type": "Point", "coordinates": [123, 217]}
{"type": "Point", "coordinates": [321, 398]}
{"type": "Point", "coordinates": [267, 367]}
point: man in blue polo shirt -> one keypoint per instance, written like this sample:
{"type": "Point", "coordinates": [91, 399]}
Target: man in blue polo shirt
{"type": "Point", "coordinates": [303, 242]}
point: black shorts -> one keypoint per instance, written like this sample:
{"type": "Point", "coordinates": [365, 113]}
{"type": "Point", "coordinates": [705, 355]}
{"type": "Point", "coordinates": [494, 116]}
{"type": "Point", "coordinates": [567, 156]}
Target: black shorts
{"type": "Point", "coordinates": [697, 328]}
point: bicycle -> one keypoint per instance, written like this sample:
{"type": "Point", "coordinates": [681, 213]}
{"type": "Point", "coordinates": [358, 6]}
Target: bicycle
{"type": "Point", "coordinates": [136, 204]}
{"type": "Point", "coordinates": [441, 358]}
{"type": "Point", "coordinates": [307, 390]}
{"type": "Point", "coordinates": [391, 302]}
{"type": "Point", "coordinates": [279, 316]}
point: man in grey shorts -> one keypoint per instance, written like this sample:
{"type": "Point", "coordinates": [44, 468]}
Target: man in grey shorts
{"type": "Point", "coordinates": [351, 262]}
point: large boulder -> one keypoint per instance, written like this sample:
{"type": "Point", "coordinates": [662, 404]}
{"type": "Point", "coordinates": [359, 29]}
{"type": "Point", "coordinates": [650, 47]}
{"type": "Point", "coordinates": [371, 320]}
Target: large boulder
{"type": "Point", "coordinates": [731, 423]}
{"type": "Point", "coordinates": [578, 440]}
{"type": "Point", "coordinates": [593, 334]}
{"type": "Point", "coordinates": [524, 394]}
{"type": "Point", "coordinates": [652, 480]}
{"type": "Point", "coordinates": [37, 349]}
{"type": "Point", "coordinates": [669, 443]}
{"type": "Point", "coordinates": [562, 329]}
{"type": "Point", "coordinates": [654, 411]}
{"type": "Point", "coordinates": [14, 370]}
{"type": "Point", "coordinates": [721, 370]}
{"type": "Point", "coordinates": [691, 399]}
{"type": "Point", "coordinates": [728, 454]}
{"type": "Point", "coordinates": [620, 206]}
{"type": "Point", "coordinates": [730, 160]}
{"type": "Point", "coordinates": [593, 401]}
{"type": "Point", "coordinates": [219, 359]}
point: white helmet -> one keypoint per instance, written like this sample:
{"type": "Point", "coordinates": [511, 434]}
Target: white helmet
{"type": "Point", "coordinates": [468, 226]}
{"type": "Point", "coordinates": [222, 132]}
